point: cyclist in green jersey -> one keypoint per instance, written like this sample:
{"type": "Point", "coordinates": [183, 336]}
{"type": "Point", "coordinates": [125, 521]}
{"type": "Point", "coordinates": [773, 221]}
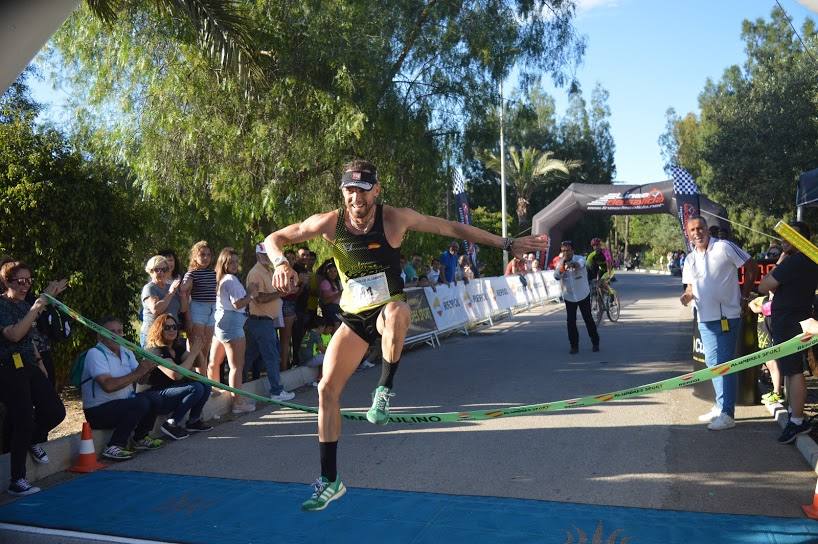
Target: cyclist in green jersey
{"type": "Point", "coordinates": [365, 239]}
{"type": "Point", "coordinates": [599, 268]}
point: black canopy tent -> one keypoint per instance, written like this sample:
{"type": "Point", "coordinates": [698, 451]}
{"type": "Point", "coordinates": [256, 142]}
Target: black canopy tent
{"type": "Point", "coordinates": [580, 199]}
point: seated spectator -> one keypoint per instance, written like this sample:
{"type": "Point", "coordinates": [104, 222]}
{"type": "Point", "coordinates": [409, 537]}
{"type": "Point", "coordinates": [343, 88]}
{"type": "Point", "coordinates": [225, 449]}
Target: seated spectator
{"type": "Point", "coordinates": [109, 397]}
{"type": "Point", "coordinates": [313, 347]}
{"type": "Point", "coordinates": [435, 274]}
{"type": "Point", "coordinates": [159, 296]}
{"type": "Point", "coordinates": [32, 406]}
{"type": "Point", "coordinates": [173, 392]}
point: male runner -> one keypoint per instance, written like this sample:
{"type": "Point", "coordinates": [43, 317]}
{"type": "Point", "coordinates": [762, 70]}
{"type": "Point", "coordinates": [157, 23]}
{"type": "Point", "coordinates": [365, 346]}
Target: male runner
{"type": "Point", "coordinates": [365, 240]}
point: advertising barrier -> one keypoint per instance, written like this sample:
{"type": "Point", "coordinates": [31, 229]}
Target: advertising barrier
{"type": "Point", "coordinates": [447, 306]}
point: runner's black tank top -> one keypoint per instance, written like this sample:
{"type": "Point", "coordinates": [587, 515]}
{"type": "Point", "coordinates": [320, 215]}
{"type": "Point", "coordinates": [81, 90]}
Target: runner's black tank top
{"type": "Point", "coordinates": [369, 259]}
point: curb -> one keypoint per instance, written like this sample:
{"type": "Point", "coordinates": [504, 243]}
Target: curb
{"type": "Point", "coordinates": [805, 444]}
{"type": "Point", "coordinates": [64, 450]}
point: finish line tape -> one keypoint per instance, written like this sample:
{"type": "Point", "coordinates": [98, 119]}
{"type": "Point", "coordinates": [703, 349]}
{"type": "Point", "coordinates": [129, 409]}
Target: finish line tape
{"type": "Point", "coordinates": [799, 242]}
{"type": "Point", "coordinates": [789, 347]}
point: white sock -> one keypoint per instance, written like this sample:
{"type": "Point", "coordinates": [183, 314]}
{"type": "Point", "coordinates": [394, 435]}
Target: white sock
{"type": "Point", "coordinates": [797, 420]}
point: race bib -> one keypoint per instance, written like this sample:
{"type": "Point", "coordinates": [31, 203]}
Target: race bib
{"type": "Point", "coordinates": [368, 290]}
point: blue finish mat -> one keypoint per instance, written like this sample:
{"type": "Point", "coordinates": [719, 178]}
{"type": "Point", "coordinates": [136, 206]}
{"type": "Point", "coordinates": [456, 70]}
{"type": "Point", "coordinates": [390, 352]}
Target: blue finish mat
{"type": "Point", "coordinates": [195, 509]}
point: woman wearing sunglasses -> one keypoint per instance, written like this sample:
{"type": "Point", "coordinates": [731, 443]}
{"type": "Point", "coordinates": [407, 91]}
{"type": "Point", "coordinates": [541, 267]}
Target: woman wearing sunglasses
{"type": "Point", "coordinates": [159, 296]}
{"type": "Point", "coordinates": [174, 392]}
{"type": "Point", "coordinates": [32, 405]}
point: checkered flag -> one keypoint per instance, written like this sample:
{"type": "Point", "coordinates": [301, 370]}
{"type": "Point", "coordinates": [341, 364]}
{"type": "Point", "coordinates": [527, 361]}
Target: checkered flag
{"type": "Point", "coordinates": [683, 182]}
{"type": "Point", "coordinates": [458, 182]}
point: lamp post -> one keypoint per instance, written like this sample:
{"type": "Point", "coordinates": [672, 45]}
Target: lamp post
{"type": "Point", "coordinates": [503, 176]}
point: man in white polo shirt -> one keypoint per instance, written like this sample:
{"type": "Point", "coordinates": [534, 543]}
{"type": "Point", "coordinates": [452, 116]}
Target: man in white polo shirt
{"type": "Point", "coordinates": [576, 293]}
{"type": "Point", "coordinates": [711, 275]}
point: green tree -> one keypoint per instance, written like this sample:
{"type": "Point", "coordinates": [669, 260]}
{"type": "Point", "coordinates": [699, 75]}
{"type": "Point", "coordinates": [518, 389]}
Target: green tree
{"type": "Point", "coordinates": [67, 217]}
{"type": "Point", "coordinates": [757, 130]}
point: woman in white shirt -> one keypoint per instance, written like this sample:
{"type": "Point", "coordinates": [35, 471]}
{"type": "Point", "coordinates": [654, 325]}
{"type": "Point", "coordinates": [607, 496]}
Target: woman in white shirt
{"type": "Point", "coordinates": [231, 301]}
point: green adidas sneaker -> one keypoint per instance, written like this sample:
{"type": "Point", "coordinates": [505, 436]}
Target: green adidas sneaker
{"type": "Point", "coordinates": [324, 492]}
{"type": "Point", "coordinates": [379, 413]}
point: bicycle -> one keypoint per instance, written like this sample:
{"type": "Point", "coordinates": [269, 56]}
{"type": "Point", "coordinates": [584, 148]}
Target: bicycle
{"type": "Point", "coordinates": [602, 302]}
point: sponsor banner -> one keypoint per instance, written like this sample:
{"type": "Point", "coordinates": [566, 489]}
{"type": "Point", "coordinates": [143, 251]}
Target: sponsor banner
{"type": "Point", "coordinates": [446, 305]}
{"type": "Point", "coordinates": [519, 289]}
{"type": "Point", "coordinates": [422, 321]}
{"type": "Point", "coordinates": [476, 300]}
{"type": "Point", "coordinates": [552, 285]}
{"type": "Point", "coordinates": [623, 202]}
{"type": "Point", "coordinates": [502, 293]}
{"type": "Point", "coordinates": [536, 283]}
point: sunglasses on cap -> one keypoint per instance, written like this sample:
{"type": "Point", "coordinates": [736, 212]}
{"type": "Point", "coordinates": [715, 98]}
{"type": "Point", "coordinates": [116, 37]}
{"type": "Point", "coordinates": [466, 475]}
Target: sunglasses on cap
{"type": "Point", "coordinates": [567, 243]}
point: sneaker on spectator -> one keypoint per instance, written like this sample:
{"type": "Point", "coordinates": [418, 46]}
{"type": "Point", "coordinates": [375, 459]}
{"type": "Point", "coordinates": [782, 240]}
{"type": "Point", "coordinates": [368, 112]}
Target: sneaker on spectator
{"type": "Point", "coordinates": [791, 431]}
{"type": "Point", "coordinates": [721, 422]}
{"type": "Point", "coordinates": [197, 426]}
{"type": "Point", "coordinates": [148, 443]}
{"type": "Point", "coordinates": [324, 492]}
{"type": "Point", "coordinates": [22, 487]}
{"type": "Point", "coordinates": [714, 412]}
{"type": "Point", "coordinates": [771, 398]}
{"type": "Point", "coordinates": [38, 454]}
{"type": "Point", "coordinates": [117, 454]}
{"type": "Point", "coordinates": [379, 412]}
{"type": "Point", "coordinates": [367, 364]}
{"type": "Point", "coordinates": [284, 396]}
{"type": "Point", "coordinates": [174, 432]}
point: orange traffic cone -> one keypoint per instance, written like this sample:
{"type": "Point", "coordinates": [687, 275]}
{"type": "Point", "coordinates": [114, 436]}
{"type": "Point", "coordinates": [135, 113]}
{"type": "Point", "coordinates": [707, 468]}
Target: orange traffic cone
{"type": "Point", "coordinates": [811, 510]}
{"type": "Point", "coordinates": [87, 460]}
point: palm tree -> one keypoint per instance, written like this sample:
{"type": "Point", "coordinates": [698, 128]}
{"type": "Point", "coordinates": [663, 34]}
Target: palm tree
{"type": "Point", "coordinates": [217, 26]}
{"type": "Point", "coordinates": [527, 169]}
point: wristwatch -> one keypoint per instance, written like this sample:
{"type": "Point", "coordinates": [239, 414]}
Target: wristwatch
{"type": "Point", "coordinates": [278, 261]}
{"type": "Point", "coordinates": [508, 243]}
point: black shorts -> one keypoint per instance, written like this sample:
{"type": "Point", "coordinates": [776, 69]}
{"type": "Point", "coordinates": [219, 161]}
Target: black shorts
{"type": "Point", "coordinates": [783, 330]}
{"type": "Point", "coordinates": [364, 324]}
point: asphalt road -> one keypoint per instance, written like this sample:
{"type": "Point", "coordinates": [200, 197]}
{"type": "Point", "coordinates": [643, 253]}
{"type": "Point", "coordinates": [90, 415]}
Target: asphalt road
{"type": "Point", "coordinates": [645, 452]}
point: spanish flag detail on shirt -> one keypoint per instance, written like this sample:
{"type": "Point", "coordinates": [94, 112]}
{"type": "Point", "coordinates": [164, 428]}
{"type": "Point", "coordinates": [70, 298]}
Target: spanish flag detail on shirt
{"type": "Point", "coordinates": [368, 266]}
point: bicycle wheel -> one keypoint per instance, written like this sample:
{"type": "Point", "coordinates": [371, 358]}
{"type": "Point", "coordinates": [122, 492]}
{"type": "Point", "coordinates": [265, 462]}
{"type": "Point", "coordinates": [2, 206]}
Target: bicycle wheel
{"type": "Point", "coordinates": [613, 307]}
{"type": "Point", "coordinates": [596, 307]}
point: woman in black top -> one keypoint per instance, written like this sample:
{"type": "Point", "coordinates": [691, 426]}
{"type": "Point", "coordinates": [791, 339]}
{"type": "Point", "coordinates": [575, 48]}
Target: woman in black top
{"type": "Point", "coordinates": [32, 405]}
{"type": "Point", "coordinates": [174, 392]}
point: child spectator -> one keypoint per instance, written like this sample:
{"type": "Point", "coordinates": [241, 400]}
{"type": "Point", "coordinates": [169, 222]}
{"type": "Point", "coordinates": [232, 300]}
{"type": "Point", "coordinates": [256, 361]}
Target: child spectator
{"type": "Point", "coordinates": [199, 285]}
{"type": "Point", "coordinates": [315, 342]}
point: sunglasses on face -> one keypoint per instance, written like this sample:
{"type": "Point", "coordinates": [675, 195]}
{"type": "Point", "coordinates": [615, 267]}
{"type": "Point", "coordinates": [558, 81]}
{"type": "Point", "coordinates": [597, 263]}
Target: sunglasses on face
{"type": "Point", "coordinates": [21, 281]}
{"type": "Point", "coordinates": [170, 327]}
{"type": "Point", "coordinates": [160, 269]}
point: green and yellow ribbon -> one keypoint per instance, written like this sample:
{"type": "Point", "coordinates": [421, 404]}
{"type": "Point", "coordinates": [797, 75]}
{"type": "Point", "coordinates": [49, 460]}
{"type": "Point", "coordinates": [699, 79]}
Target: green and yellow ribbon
{"type": "Point", "coordinates": [794, 345]}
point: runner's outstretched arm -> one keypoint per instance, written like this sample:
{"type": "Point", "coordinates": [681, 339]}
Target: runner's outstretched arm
{"type": "Point", "coordinates": [408, 219]}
